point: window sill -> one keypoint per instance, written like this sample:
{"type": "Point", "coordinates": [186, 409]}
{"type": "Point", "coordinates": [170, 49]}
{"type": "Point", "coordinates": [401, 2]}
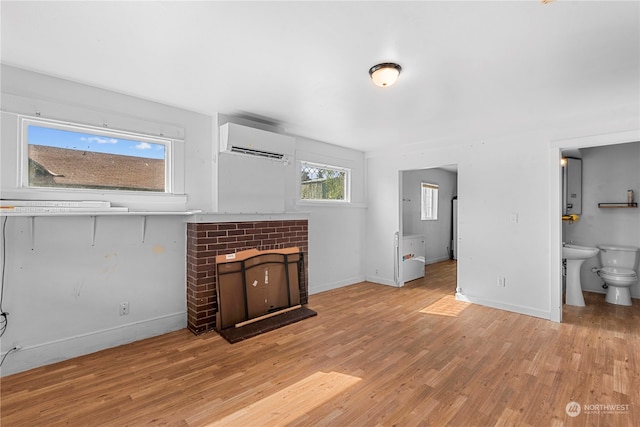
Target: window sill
{"type": "Point", "coordinates": [135, 201]}
{"type": "Point", "coordinates": [330, 204]}
{"type": "Point", "coordinates": [102, 213]}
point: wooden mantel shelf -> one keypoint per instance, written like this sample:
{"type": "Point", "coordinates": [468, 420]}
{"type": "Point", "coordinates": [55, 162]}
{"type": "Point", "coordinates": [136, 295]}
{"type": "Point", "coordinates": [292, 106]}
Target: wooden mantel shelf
{"type": "Point", "coordinates": [617, 205]}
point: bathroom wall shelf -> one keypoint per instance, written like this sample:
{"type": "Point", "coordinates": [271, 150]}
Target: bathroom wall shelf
{"type": "Point", "coordinates": [617, 205]}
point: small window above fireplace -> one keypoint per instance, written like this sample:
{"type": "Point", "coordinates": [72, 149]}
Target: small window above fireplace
{"type": "Point", "coordinates": [324, 182]}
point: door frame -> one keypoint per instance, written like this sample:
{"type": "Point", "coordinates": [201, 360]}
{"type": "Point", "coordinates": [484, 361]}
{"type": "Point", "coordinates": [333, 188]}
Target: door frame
{"type": "Point", "coordinates": [555, 212]}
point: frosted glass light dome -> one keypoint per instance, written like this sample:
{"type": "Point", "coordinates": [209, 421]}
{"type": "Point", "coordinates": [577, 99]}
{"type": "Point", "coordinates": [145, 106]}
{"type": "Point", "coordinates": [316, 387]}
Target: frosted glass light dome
{"type": "Point", "coordinates": [385, 74]}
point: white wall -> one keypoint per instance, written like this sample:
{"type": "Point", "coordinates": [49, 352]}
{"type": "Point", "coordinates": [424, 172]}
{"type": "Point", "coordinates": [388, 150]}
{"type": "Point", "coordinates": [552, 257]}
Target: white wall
{"type": "Point", "coordinates": [29, 93]}
{"type": "Point", "coordinates": [607, 173]}
{"type": "Point", "coordinates": [497, 181]}
{"type": "Point", "coordinates": [336, 230]}
{"type": "Point", "coordinates": [250, 184]}
{"type": "Point", "coordinates": [62, 292]}
{"type": "Point", "coordinates": [64, 277]}
{"type": "Point", "coordinates": [63, 284]}
{"type": "Point", "coordinates": [505, 209]}
{"type": "Point", "coordinates": [437, 233]}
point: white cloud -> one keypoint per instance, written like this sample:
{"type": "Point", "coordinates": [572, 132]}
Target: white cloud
{"type": "Point", "coordinates": [143, 146]}
{"type": "Point", "coordinates": [100, 140]}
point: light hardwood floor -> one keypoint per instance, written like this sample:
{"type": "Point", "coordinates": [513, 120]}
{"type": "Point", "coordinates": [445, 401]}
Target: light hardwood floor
{"type": "Point", "coordinates": [374, 356]}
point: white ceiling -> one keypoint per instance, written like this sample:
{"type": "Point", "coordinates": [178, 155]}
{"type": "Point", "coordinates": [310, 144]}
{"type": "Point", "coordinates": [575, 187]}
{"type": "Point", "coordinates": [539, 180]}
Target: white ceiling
{"type": "Point", "coordinates": [470, 69]}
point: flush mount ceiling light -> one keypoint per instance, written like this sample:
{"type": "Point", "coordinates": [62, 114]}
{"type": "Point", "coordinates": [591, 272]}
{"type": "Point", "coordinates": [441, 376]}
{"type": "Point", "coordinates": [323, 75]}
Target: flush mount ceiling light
{"type": "Point", "coordinates": [385, 74]}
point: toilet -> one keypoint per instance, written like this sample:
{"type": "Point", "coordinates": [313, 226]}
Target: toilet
{"type": "Point", "coordinates": [618, 272]}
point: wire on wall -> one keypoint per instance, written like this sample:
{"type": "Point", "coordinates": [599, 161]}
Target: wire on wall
{"type": "Point", "coordinates": [7, 353]}
{"type": "Point", "coordinates": [3, 314]}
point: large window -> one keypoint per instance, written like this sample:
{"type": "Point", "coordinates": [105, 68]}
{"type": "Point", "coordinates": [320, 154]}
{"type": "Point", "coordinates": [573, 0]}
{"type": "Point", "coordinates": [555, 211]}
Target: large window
{"type": "Point", "coordinates": [429, 211]}
{"type": "Point", "coordinates": [323, 182]}
{"type": "Point", "coordinates": [70, 156]}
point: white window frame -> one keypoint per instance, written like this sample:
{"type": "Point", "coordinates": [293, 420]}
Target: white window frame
{"type": "Point", "coordinates": [429, 195]}
{"type": "Point", "coordinates": [347, 183]}
{"type": "Point", "coordinates": [174, 185]}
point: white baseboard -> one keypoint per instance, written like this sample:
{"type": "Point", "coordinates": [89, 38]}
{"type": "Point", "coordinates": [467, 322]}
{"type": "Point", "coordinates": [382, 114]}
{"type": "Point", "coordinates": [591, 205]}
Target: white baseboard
{"type": "Point", "coordinates": [335, 285]}
{"type": "Point", "coordinates": [502, 306]}
{"type": "Point", "coordinates": [46, 353]}
{"type": "Point", "coordinates": [435, 260]}
{"type": "Point", "coordinates": [381, 281]}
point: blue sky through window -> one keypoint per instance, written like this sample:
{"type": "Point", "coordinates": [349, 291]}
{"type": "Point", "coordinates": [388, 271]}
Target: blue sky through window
{"type": "Point", "coordinates": [97, 143]}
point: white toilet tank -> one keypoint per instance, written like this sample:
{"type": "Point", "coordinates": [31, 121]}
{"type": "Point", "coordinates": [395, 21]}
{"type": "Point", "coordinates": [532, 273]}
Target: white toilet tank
{"type": "Point", "coordinates": [619, 256]}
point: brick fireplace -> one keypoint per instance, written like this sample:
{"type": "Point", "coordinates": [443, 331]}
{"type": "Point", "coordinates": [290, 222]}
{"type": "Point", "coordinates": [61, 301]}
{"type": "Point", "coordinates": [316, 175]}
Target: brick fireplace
{"type": "Point", "coordinates": [207, 238]}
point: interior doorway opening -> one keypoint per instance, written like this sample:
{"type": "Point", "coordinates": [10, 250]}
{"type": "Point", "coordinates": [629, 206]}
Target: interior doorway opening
{"type": "Point", "coordinates": [428, 213]}
{"type": "Point", "coordinates": [558, 149]}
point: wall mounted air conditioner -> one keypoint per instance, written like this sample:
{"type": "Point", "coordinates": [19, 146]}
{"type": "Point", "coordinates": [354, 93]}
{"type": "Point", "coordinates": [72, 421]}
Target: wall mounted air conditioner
{"type": "Point", "coordinates": [248, 141]}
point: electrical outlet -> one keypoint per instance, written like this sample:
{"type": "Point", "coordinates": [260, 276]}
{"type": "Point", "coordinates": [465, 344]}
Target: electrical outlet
{"type": "Point", "coordinates": [124, 308]}
{"type": "Point", "coordinates": [502, 282]}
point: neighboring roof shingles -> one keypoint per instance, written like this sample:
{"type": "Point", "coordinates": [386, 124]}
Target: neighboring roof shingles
{"type": "Point", "coordinates": [91, 169]}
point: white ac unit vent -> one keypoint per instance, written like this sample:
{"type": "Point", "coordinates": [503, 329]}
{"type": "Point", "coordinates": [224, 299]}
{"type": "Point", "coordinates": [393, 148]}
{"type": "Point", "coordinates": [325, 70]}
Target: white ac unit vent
{"type": "Point", "coordinates": [248, 141]}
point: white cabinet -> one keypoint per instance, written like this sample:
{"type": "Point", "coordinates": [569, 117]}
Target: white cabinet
{"type": "Point", "coordinates": [413, 248]}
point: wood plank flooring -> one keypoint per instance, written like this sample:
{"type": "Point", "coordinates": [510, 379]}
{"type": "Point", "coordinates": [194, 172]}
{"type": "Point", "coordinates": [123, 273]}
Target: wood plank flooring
{"type": "Point", "coordinates": [374, 356]}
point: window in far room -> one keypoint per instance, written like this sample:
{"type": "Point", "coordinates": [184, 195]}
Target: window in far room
{"type": "Point", "coordinates": [429, 205]}
{"type": "Point", "coordinates": [72, 157]}
{"type": "Point", "coordinates": [324, 182]}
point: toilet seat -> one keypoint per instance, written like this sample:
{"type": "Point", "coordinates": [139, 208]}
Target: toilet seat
{"type": "Point", "coordinates": [616, 276]}
{"type": "Point", "coordinates": [617, 271]}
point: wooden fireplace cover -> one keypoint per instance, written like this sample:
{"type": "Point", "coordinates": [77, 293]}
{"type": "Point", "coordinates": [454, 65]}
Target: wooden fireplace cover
{"type": "Point", "coordinates": [254, 283]}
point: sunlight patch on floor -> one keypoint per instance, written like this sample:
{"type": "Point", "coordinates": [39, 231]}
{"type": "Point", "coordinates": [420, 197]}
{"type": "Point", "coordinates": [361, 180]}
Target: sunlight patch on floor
{"type": "Point", "coordinates": [290, 403]}
{"type": "Point", "coordinates": [446, 306]}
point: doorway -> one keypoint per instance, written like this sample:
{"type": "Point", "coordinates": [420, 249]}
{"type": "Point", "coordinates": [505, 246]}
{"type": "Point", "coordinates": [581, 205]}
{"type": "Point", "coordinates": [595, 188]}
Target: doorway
{"type": "Point", "coordinates": [557, 148]}
{"type": "Point", "coordinates": [434, 228]}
